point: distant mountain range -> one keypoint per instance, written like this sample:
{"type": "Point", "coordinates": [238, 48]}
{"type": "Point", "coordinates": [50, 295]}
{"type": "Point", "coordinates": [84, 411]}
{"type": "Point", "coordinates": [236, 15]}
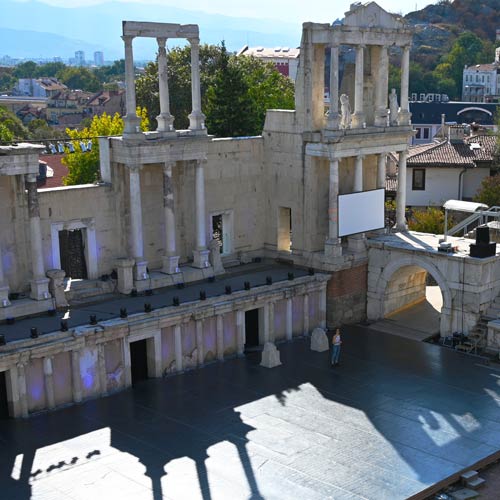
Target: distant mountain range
{"type": "Point", "coordinates": [34, 29]}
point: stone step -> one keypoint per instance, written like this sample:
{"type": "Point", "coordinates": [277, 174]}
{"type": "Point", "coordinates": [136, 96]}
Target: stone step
{"type": "Point", "coordinates": [468, 476]}
{"type": "Point", "coordinates": [464, 494]}
{"type": "Point", "coordinates": [475, 483]}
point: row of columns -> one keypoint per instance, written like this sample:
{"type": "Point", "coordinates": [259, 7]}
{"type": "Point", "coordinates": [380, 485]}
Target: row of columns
{"type": "Point", "coordinates": [332, 247]}
{"type": "Point", "coordinates": [381, 88]}
{"type": "Point", "coordinates": [165, 119]}
{"type": "Point", "coordinates": [171, 257]}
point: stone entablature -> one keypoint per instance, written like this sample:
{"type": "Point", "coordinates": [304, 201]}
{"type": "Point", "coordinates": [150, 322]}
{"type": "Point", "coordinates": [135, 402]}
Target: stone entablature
{"type": "Point", "coordinates": [95, 359]}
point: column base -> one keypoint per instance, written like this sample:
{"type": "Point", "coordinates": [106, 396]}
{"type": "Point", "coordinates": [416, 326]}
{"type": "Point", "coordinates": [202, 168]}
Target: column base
{"type": "Point", "coordinates": [125, 272]}
{"type": "Point", "coordinates": [132, 125]}
{"type": "Point", "coordinates": [358, 120]}
{"type": "Point", "coordinates": [402, 228]}
{"type": "Point", "coordinates": [56, 286]}
{"type": "Point", "coordinates": [381, 117]}
{"type": "Point", "coordinates": [4, 296]}
{"type": "Point", "coordinates": [357, 243]}
{"type": "Point", "coordinates": [200, 259]}
{"type": "Point", "coordinates": [170, 264]}
{"type": "Point", "coordinates": [404, 118]}
{"type": "Point", "coordinates": [141, 270]}
{"type": "Point", "coordinates": [333, 121]}
{"type": "Point", "coordinates": [333, 248]}
{"type": "Point", "coordinates": [40, 289]}
{"type": "Point", "coordinates": [165, 122]}
{"type": "Point", "coordinates": [197, 121]}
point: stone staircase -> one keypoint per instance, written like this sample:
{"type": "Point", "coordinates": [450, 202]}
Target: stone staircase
{"type": "Point", "coordinates": [77, 290]}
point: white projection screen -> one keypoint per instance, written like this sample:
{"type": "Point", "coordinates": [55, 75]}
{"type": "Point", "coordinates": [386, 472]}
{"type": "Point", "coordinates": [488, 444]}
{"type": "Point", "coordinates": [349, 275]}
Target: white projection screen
{"type": "Point", "coordinates": [360, 212]}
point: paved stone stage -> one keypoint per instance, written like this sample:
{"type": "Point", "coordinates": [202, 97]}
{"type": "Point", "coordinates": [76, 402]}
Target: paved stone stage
{"type": "Point", "coordinates": [396, 417]}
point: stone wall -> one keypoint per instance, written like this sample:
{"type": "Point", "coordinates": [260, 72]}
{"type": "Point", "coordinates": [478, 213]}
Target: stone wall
{"type": "Point", "coordinates": [406, 288]}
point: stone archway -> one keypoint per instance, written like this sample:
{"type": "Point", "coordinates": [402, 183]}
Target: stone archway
{"type": "Point", "coordinates": [377, 294]}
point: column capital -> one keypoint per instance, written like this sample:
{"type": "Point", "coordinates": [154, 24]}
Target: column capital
{"type": "Point", "coordinates": [360, 157]}
{"type": "Point", "coordinates": [194, 41]}
{"type": "Point", "coordinates": [168, 166]}
{"type": "Point", "coordinates": [127, 39]}
{"type": "Point", "coordinates": [162, 41]}
{"type": "Point", "coordinates": [361, 45]}
{"type": "Point", "coordinates": [134, 168]}
{"type": "Point", "coordinates": [30, 177]}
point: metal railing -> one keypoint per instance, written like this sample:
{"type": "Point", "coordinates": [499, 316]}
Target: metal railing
{"type": "Point", "coordinates": [474, 220]}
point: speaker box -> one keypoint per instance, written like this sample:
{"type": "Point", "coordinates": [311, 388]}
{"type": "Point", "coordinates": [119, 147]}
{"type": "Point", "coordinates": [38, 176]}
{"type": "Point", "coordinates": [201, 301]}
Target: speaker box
{"type": "Point", "coordinates": [482, 235]}
{"type": "Point", "coordinates": [483, 250]}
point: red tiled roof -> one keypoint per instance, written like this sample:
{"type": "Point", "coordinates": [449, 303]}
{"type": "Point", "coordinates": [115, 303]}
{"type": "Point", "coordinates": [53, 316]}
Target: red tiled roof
{"type": "Point", "coordinates": [60, 170]}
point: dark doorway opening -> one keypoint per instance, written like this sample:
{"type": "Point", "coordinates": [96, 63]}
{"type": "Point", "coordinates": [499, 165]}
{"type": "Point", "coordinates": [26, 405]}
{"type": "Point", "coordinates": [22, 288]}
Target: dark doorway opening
{"type": "Point", "coordinates": [72, 252]}
{"type": "Point", "coordinates": [4, 404]}
{"type": "Point", "coordinates": [218, 231]}
{"type": "Point", "coordinates": [139, 360]}
{"type": "Point", "coordinates": [251, 330]}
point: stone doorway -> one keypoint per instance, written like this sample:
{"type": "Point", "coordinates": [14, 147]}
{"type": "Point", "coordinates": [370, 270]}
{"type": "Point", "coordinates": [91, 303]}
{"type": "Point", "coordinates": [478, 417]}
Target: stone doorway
{"type": "Point", "coordinates": [139, 360]}
{"type": "Point", "coordinates": [251, 330]}
{"type": "Point", "coordinates": [72, 253]}
{"type": "Point", "coordinates": [4, 404]}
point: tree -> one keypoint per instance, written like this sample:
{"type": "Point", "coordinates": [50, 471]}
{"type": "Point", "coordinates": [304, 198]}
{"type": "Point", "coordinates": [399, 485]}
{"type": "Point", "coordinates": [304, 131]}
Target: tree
{"type": "Point", "coordinates": [26, 69]}
{"type": "Point", "coordinates": [430, 220]}
{"type": "Point", "coordinates": [79, 78]}
{"type": "Point", "coordinates": [489, 192]}
{"type": "Point", "coordinates": [49, 69]}
{"type": "Point", "coordinates": [229, 105]}
{"type": "Point", "coordinates": [83, 166]}
{"type": "Point", "coordinates": [11, 127]}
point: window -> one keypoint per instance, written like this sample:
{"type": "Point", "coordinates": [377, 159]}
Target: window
{"type": "Point", "coordinates": [418, 180]}
{"type": "Point", "coordinates": [418, 134]}
{"type": "Point", "coordinates": [426, 132]}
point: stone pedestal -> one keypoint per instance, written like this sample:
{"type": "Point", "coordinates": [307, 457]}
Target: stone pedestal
{"type": "Point", "coordinates": [170, 264]}
{"type": "Point", "coordinates": [4, 296]}
{"type": "Point", "coordinates": [357, 243]}
{"type": "Point", "coordinates": [404, 118]}
{"type": "Point", "coordinates": [270, 356]}
{"type": "Point", "coordinates": [215, 258]}
{"type": "Point", "coordinates": [333, 248]}
{"type": "Point", "coordinates": [319, 340]}
{"type": "Point", "coordinates": [56, 286]}
{"type": "Point", "coordinates": [200, 259]}
{"type": "Point", "coordinates": [141, 270]}
{"type": "Point", "coordinates": [39, 289]}
{"type": "Point", "coordinates": [124, 270]}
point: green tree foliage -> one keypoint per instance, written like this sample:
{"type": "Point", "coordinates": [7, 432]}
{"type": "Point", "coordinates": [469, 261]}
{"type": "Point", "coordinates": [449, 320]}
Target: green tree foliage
{"type": "Point", "coordinates": [263, 86]}
{"type": "Point", "coordinates": [83, 167]}
{"type": "Point", "coordinates": [489, 192]}
{"type": "Point", "coordinates": [26, 69]}
{"type": "Point", "coordinates": [7, 79]}
{"type": "Point", "coordinates": [79, 78]}
{"type": "Point", "coordinates": [11, 127]}
{"type": "Point", "coordinates": [39, 129]}
{"type": "Point", "coordinates": [106, 74]}
{"type": "Point", "coordinates": [230, 108]}
{"type": "Point", "coordinates": [430, 220]}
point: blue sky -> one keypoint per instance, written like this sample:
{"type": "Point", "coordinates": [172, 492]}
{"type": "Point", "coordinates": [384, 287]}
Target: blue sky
{"type": "Point", "coordinates": [285, 10]}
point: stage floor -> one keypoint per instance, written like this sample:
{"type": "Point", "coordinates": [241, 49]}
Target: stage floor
{"type": "Point", "coordinates": [396, 417]}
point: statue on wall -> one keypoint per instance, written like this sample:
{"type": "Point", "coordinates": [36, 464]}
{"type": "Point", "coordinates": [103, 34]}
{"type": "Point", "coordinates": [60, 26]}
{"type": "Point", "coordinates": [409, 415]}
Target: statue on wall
{"type": "Point", "coordinates": [215, 259]}
{"type": "Point", "coordinates": [393, 108]}
{"type": "Point", "coordinates": [345, 110]}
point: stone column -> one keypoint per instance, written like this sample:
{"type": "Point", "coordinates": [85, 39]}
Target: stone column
{"type": "Point", "coordinates": [381, 162]}
{"type": "Point", "coordinates": [104, 159]}
{"type": "Point", "coordinates": [289, 319]}
{"type": "Point", "coordinates": [101, 369]}
{"type": "Point", "coordinates": [132, 123]}
{"type": "Point", "coordinates": [271, 322]}
{"type": "Point", "coordinates": [4, 287]}
{"type": "Point", "coordinates": [322, 308]}
{"type": "Point", "coordinates": [240, 332]}
{"type": "Point", "coordinates": [75, 376]}
{"type": "Point", "coordinates": [265, 317]}
{"type": "Point", "coordinates": [56, 286]}
{"type": "Point", "coordinates": [401, 193]}
{"type": "Point", "coordinates": [21, 385]}
{"type": "Point", "coordinates": [39, 283]}
{"type": "Point", "coordinates": [125, 275]}
{"type": "Point", "coordinates": [201, 253]}
{"type": "Point", "coordinates": [358, 118]}
{"type": "Point", "coordinates": [333, 113]}
{"type": "Point", "coordinates": [178, 348]}
{"type": "Point", "coordinates": [49, 382]}
{"type": "Point", "coordinates": [165, 119]}
{"type": "Point", "coordinates": [170, 259]}
{"type": "Point", "coordinates": [199, 342]}
{"type": "Point", "coordinates": [219, 318]}
{"type": "Point", "coordinates": [404, 112]}
{"type": "Point", "coordinates": [357, 242]}
{"type": "Point", "coordinates": [381, 88]}
{"type": "Point", "coordinates": [137, 245]}
{"type": "Point", "coordinates": [196, 118]}
{"type": "Point", "coordinates": [306, 314]}
{"type": "Point", "coordinates": [332, 246]}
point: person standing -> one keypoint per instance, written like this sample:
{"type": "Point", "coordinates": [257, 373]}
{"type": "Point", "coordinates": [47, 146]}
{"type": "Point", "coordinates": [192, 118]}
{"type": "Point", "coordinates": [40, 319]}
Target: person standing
{"type": "Point", "coordinates": [336, 343]}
